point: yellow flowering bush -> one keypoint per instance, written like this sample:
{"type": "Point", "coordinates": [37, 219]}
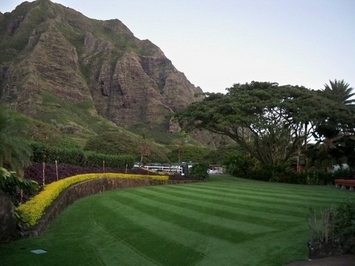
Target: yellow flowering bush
{"type": "Point", "coordinates": [33, 209]}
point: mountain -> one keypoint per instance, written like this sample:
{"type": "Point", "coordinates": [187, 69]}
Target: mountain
{"type": "Point", "coordinates": [84, 75]}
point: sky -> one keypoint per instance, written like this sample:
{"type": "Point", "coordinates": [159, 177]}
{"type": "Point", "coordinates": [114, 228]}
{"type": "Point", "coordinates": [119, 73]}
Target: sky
{"type": "Point", "coordinates": [217, 43]}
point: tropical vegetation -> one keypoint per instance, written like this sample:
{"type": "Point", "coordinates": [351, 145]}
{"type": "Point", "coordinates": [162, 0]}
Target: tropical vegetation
{"type": "Point", "coordinates": [14, 150]}
{"type": "Point", "coordinates": [15, 154]}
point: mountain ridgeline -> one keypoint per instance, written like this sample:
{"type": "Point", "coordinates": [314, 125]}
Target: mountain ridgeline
{"type": "Point", "coordinates": [60, 67]}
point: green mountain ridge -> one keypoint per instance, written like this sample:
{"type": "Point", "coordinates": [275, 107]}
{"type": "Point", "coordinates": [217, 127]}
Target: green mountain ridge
{"type": "Point", "coordinates": [85, 76]}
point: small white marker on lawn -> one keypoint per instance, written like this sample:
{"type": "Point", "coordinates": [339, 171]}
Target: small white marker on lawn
{"type": "Point", "coordinates": [38, 251]}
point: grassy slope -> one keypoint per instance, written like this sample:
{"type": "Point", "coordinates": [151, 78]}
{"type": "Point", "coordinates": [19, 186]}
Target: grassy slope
{"type": "Point", "coordinates": [226, 221]}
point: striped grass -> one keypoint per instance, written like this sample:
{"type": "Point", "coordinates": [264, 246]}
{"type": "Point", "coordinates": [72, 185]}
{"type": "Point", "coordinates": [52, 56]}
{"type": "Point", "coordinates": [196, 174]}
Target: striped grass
{"type": "Point", "coordinates": [227, 221]}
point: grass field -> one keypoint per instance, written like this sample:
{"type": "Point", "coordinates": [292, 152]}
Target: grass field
{"type": "Point", "coordinates": [226, 221]}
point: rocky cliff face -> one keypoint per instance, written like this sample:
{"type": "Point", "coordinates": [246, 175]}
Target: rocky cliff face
{"type": "Point", "coordinates": [55, 64]}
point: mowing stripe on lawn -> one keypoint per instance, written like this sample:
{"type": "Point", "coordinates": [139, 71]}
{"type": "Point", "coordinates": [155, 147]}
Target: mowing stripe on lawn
{"type": "Point", "coordinates": [214, 249]}
{"type": "Point", "coordinates": [298, 193]}
{"type": "Point", "coordinates": [167, 229]}
{"type": "Point", "coordinates": [265, 191]}
{"type": "Point", "coordinates": [231, 220]}
{"type": "Point", "coordinates": [238, 201]}
{"type": "Point", "coordinates": [236, 205]}
{"type": "Point", "coordinates": [194, 240]}
{"type": "Point", "coordinates": [148, 243]}
{"type": "Point", "coordinates": [250, 208]}
{"type": "Point", "coordinates": [133, 204]}
{"type": "Point", "coordinates": [190, 220]}
{"type": "Point", "coordinates": [273, 198]}
{"type": "Point", "coordinates": [245, 184]}
{"type": "Point", "coordinates": [218, 210]}
{"type": "Point", "coordinates": [111, 248]}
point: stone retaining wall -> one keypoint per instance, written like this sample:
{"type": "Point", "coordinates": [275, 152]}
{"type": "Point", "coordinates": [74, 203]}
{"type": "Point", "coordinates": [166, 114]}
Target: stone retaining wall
{"type": "Point", "coordinates": [7, 219]}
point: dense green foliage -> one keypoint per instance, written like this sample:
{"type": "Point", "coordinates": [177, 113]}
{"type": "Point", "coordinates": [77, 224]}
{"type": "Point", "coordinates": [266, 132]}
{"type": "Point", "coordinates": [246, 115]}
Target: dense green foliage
{"type": "Point", "coordinates": [14, 155]}
{"type": "Point", "coordinates": [160, 134]}
{"type": "Point", "coordinates": [219, 222]}
{"type": "Point", "coordinates": [123, 143]}
{"type": "Point", "coordinates": [345, 224]}
{"type": "Point", "coordinates": [199, 171]}
{"type": "Point", "coordinates": [340, 91]}
{"type": "Point", "coordinates": [14, 151]}
{"type": "Point", "coordinates": [184, 153]}
{"type": "Point", "coordinates": [221, 155]}
{"type": "Point", "coordinates": [334, 224]}
{"type": "Point", "coordinates": [11, 184]}
{"type": "Point", "coordinates": [79, 157]}
{"type": "Point", "coordinates": [241, 165]}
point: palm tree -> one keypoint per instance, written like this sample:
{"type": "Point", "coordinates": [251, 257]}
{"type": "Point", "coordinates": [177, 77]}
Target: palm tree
{"type": "Point", "coordinates": [340, 91]}
{"type": "Point", "coordinates": [15, 153]}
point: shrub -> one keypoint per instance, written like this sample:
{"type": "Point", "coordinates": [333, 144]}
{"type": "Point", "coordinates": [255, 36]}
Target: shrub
{"type": "Point", "coordinates": [334, 225]}
{"type": "Point", "coordinates": [11, 184]}
{"type": "Point", "coordinates": [343, 173]}
{"type": "Point", "coordinates": [345, 225]}
{"type": "Point", "coordinates": [240, 165]}
{"type": "Point", "coordinates": [93, 159]}
{"type": "Point", "coordinates": [69, 156]}
{"type": "Point", "coordinates": [113, 143]}
{"type": "Point", "coordinates": [199, 171]}
{"type": "Point", "coordinates": [322, 225]}
{"type": "Point", "coordinates": [39, 151]}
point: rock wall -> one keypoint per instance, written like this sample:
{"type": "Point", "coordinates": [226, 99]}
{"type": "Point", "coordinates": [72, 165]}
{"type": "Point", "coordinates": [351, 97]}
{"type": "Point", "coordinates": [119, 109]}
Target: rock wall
{"type": "Point", "coordinates": [7, 219]}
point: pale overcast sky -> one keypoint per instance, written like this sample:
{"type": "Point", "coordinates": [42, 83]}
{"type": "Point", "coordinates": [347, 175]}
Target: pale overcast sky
{"type": "Point", "coordinates": [217, 43]}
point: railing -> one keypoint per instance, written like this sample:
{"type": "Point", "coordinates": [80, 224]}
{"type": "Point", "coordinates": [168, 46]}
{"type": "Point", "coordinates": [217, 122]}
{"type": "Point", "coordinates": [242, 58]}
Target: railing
{"type": "Point", "coordinates": [164, 168]}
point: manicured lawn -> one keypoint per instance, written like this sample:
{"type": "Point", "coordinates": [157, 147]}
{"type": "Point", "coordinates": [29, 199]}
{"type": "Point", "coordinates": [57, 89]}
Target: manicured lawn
{"type": "Point", "coordinates": [226, 221]}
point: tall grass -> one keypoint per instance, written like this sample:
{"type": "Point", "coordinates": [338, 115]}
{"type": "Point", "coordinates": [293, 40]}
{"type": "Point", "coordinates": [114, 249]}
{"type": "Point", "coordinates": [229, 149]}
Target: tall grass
{"type": "Point", "coordinates": [226, 221]}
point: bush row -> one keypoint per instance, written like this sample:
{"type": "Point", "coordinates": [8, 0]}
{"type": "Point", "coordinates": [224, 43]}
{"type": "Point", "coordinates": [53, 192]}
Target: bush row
{"type": "Point", "coordinates": [32, 210]}
{"type": "Point", "coordinates": [42, 153]}
{"type": "Point", "coordinates": [242, 166]}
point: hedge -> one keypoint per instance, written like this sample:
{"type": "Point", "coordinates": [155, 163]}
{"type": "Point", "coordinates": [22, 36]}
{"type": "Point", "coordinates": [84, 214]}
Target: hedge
{"type": "Point", "coordinates": [42, 153]}
{"type": "Point", "coordinates": [32, 210]}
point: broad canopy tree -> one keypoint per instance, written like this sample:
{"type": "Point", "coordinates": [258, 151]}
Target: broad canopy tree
{"type": "Point", "coordinates": [272, 123]}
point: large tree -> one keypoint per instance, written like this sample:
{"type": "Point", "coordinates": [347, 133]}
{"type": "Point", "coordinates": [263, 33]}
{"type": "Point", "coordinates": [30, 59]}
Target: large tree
{"type": "Point", "coordinates": [337, 121]}
{"type": "Point", "coordinates": [270, 122]}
